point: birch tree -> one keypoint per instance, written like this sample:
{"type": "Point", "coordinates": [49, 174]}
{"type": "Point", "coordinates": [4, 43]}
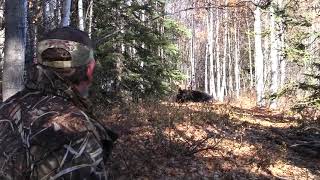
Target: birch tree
{"type": "Point", "coordinates": [236, 59]}
{"type": "Point", "coordinates": [80, 15]}
{"type": "Point", "coordinates": [212, 87]}
{"type": "Point", "coordinates": [14, 48]}
{"type": "Point", "coordinates": [276, 54]}
{"type": "Point", "coordinates": [281, 44]}
{"type": "Point", "coordinates": [224, 60]}
{"type": "Point", "coordinates": [258, 57]}
{"type": "Point", "coordinates": [249, 53]}
{"type": "Point", "coordinates": [218, 54]}
{"type": "Point", "coordinates": [230, 85]}
{"type": "Point", "coordinates": [192, 56]}
{"type": "Point", "coordinates": [273, 57]}
{"type": "Point", "coordinates": [66, 13]}
{"type": "Point", "coordinates": [90, 18]}
{"type": "Point", "coordinates": [206, 90]}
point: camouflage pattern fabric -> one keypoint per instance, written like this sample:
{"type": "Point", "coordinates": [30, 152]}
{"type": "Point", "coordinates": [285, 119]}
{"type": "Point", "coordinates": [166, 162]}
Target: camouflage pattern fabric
{"type": "Point", "coordinates": [46, 133]}
{"type": "Point", "coordinates": [80, 54]}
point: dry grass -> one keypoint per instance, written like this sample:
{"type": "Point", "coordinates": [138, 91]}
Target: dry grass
{"type": "Point", "coordinates": [206, 141]}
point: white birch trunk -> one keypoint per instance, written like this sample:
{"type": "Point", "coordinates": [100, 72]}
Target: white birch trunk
{"type": "Point", "coordinates": [212, 84]}
{"type": "Point", "coordinates": [236, 59]}
{"type": "Point", "coordinates": [14, 48]}
{"type": "Point", "coordinates": [249, 54]}
{"type": "Point", "coordinates": [282, 63]}
{"type": "Point", "coordinates": [258, 57]}
{"type": "Point", "coordinates": [225, 45]}
{"type": "Point", "coordinates": [80, 15]}
{"type": "Point", "coordinates": [57, 12]}
{"type": "Point", "coordinates": [274, 57]}
{"type": "Point", "coordinates": [206, 90]}
{"type": "Point", "coordinates": [239, 67]}
{"type": "Point", "coordinates": [218, 56]}
{"type": "Point", "coordinates": [230, 86]}
{"type": "Point", "coordinates": [90, 18]}
{"type": "Point", "coordinates": [192, 58]}
{"type": "Point", "coordinates": [2, 31]}
{"type": "Point", "coordinates": [281, 46]}
{"type": "Point", "coordinates": [66, 13]}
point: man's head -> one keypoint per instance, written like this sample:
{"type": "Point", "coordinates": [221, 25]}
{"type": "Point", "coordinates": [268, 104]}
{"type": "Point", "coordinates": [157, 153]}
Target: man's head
{"type": "Point", "coordinates": [69, 52]}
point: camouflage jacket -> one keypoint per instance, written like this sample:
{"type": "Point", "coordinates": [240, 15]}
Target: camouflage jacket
{"type": "Point", "coordinates": [46, 132]}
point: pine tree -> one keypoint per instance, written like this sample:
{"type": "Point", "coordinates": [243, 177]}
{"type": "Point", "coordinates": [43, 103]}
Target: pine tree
{"type": "Point", "coordinates": [139, 59]}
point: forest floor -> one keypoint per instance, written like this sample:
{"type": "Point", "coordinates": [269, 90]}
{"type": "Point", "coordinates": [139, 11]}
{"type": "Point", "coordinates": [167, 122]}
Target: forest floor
{"type": "Point", "coordinates": [211, 141]}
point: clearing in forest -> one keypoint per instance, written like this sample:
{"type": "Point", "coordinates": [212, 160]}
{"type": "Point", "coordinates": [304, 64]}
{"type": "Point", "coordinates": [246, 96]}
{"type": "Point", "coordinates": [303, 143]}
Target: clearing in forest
{"type": "Point", "coordinates": [211, 141]}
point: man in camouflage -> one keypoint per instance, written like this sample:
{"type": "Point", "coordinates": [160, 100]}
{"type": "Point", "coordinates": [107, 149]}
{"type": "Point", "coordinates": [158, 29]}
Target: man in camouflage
{"type": "Point", "coordinates": [47, 130]}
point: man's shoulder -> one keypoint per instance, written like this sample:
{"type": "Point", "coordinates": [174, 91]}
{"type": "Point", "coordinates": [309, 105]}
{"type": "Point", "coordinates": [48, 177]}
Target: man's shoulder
{"type": "Point", "coordinates": [44, 110]}
{"type": "Point", "coordinates": [65, 116]}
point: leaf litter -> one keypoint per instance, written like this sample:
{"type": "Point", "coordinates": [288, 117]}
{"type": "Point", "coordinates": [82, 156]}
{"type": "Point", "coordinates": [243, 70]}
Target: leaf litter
{"type": "Point", "coordinates": [211, 141]}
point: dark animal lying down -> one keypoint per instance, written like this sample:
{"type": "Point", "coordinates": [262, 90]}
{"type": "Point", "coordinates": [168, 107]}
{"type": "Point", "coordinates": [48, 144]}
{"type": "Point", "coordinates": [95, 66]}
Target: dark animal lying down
{"type": "Point", "coordinates": [192, 96]}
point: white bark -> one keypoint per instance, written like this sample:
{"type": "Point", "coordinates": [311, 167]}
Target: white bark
{"type": "Point", "coordinates": [14, 50]}
{"type": "Point", "coordinates": [266, 52]}
{"type": "Point", "coordinates": [225, 45]}
{"type": "Point", "coordinates": [80, 15]}
{"type": "Point", "coordinates": [57, 12]}
{"type": "Point", "coordinates": [192, 57]}
{"type": "Point", "coordinates": [258, 57]}
{"type": "Point", "coordinates": [212, 87]}
{"type": "Point", "coordinates": [236, 59]}
{"type": "Point", "coordinates": [90, 18]}
{"type": "Point", "coordinates": [282, 63]}
{"type": "Point", "coordinates": [230, 86]}
{"type": "Point", "coordinates": [209, 37]}
{"type": "Point", "coordinates": [249, 54]}
{"type": "Point", "coordinates": [281, 46]}
{"type": "Point", "coordinates": [218, 56]}
{"type": "Point", "coordinates": [206, 90]}
{"type": "Point", "coordinates": [2, 31]}
{"type": "Point", "coordinates": [274, 57]}
{"type": "Point", "coordinates": [66, 13]}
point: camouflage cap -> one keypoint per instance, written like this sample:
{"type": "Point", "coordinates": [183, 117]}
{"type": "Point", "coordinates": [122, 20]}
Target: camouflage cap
{"type": "Point", "coordinates": [80, 53]}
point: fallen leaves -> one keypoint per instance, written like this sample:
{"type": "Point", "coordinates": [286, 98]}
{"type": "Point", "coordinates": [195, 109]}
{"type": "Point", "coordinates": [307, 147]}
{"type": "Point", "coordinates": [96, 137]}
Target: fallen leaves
{"type": "Point", "coordinates": [205, 141]}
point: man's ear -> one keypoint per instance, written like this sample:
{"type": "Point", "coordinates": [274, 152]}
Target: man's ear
{"type": "Point", "coordinates": [90, 69]}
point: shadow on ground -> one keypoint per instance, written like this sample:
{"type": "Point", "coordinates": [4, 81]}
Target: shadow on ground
{"type": "Point", "coordinates": [205, 141]}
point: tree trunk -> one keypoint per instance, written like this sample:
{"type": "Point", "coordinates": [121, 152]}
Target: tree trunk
{"type": "Point", "coordinates": [236, 59]}
{"type": "Point", "coordinates": [57, 12]}
{"type": "Point", "coordinates": [212, 84]}
{"type": "Point", "coordinates": [2, 32]}
{"type": "Point", "coordinates": [30, 52]}
{"type": "Point", "coordinates": [192, 57]}
{"type": "Point", "coordinates": [249, 54]}
{"type": "Point", "coordinates": [206, 71]}
{"type": "Point", "coordinates": [49, 7]}
{"type": "Point", "coordinates": [224, 60]}
{"type": "Point", "coordinates": [218, 56]}
{"type": "Point", "coordinates": [281, 46]}
{"type": "Point", "coordinates": [230, 86]}
{"type": "Point", "coordinates": [90, 18]}
{"type": "Point", "coordinates": [66, 13]}
{"type": "Point", "coordinates": [80, 15]}
{"type": "Point", "coordinates": [258, 57]}
{"type": "Point", "coordinates": [14, 48]}
{"type": "Point", "coordinates": [274, 57]}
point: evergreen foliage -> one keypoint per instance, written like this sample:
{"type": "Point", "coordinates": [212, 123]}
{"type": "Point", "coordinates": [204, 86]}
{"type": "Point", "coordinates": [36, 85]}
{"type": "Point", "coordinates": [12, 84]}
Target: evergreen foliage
{"type": "Point", "coordinates": [312, 86]}
{"type": "Point", "coordinates": [139, 60]}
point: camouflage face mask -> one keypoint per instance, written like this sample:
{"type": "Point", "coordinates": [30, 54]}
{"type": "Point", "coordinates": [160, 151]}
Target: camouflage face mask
{"type": "Point", "coordinates": [80, 53]}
